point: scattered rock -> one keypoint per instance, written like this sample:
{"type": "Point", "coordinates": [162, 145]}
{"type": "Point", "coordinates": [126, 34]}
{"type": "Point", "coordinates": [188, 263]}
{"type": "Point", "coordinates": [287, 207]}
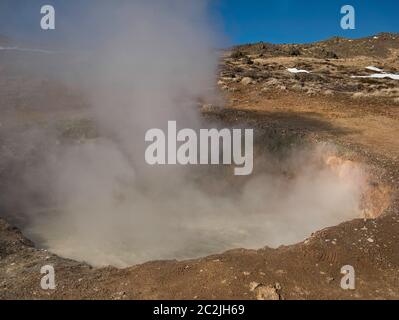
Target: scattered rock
{"type": "Point", "coordinates": [267, 292]}
{"type": "Point", "coordinates": [260, 61]}
{"type": "Point", "coordinates": [329, 279]}
{"type": "Point", "coordinates": [331, 55]}
{"type": "Point", "coordinates": [208, 108]}
{"type": "Point", "coordinates": [248, 61]}
{"type": "Point", "coordinates": [246, 81]}
{"type": "Point", "coordinates": [328, 92]}
{"type": "Point", "coordinates": [294, 52]}
{"type": "Point", "coordinates": [272, 82]}
{"type": "Point", "coordinates": [236, 54]}
{"type": "Point", "coordinates": [253, 285]}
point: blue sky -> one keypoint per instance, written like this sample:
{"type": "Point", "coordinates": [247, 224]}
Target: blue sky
{"type": "Point", "coordinates": [245, 21]}
{"type": "Point", "coordinates": [296, 21]}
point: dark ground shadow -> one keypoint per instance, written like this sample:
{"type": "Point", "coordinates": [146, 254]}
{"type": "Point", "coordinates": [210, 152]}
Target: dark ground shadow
{"type": "Point", "coordinates": [295, 122]}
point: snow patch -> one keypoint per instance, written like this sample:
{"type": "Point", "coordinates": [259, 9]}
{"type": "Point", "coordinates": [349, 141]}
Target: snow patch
{"type": "Point", "coordinates": [380, 76]}
{"type": "Point", "coordinates": [372, 68]}
{"type": "Point", "coordinates": [295, 70]}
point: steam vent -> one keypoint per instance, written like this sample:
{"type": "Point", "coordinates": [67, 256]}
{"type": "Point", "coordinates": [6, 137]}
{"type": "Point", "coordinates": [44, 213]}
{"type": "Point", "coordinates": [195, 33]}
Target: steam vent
{"type": "Point", "coordinates": [199, 150]}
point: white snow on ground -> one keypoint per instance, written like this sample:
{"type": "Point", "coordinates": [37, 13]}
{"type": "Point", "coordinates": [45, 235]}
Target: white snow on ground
{"type": "Point", "coordinates": [374, 69]}
{"type": "Point", "coordinates": [295, 70]}
{"type": "Point", "coordinates": [24, 49]}
{"type": "Point", "coordinates": [380, 76]}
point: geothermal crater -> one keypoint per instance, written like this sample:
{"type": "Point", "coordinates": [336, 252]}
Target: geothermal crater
{"type": "Point", "coordinates": [114, 215]}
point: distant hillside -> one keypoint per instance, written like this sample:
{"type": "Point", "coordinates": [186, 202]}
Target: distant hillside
{"type": "Point", "coordinates": [379, 45]}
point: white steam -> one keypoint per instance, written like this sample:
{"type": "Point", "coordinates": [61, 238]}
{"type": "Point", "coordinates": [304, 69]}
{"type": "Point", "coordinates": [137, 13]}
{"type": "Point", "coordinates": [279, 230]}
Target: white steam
{"type": "Point", "coordinates": [149, 65]}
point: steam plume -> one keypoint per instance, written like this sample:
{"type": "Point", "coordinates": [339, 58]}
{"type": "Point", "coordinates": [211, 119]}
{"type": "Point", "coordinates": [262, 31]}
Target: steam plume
{"type": "Point", "coordinates": [147, 63]}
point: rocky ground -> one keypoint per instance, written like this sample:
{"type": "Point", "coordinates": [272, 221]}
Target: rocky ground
{"type": "Point", "coordinates": [360, 115]}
